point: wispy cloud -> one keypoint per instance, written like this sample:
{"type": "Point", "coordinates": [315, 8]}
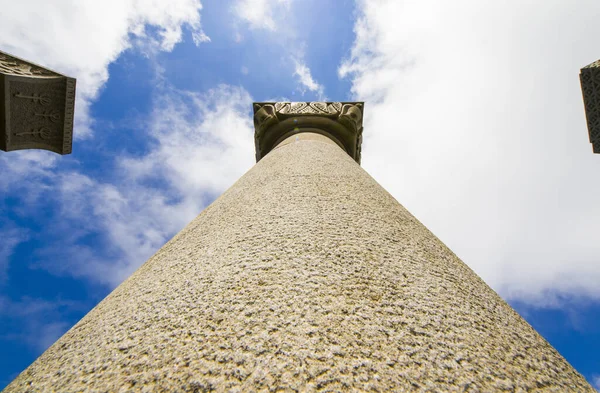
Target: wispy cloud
{"type": "Point", "coordinates": [12, 236]}
{"type": "Point", "coordinates": [270, 16]}
{"type": "Point", "coordinates": [96, 34]}
{"type": "Point", "coordinates": [307, 82]}
{"type": "Point", "coordinates": [82, 38]}
{"type": "Point", "coordinates": [42, 321]}
{"type": "Point", "coordinates": [483, 138]}
{"type": "Point", "coordinates": [199, 144]}
{"type": "Point", "coordinates": [201, 140]}
{"type": "Point", "coordinates": [260, 14]}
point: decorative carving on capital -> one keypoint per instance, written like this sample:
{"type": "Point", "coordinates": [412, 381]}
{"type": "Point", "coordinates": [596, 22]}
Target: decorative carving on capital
{"type": "Point", "coordinates": [595, 64]}
{"type": "Point", "coordinates": [351, 116]}
{"type": "Point", "coordinates": [264, 117]}
{"type": "Point", "coordinates": [11, 65]}
{"type": "Point", "coordinates": [590, 87]}
{"type": "Point", "coordinates": [340, 121]}
{"type": "Point", "coordinates": [36, 107]}
{"type": "Point", "coordinates": [308, 108]}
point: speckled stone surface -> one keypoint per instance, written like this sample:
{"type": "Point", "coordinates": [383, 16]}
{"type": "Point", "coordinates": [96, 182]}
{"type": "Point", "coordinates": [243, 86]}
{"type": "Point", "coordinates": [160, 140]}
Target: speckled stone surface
{"type": "Point", "coordinates": [304, 276]}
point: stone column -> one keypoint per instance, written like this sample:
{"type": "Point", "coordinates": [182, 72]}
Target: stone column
{"type": "Point", "coordinates": [305, 275]}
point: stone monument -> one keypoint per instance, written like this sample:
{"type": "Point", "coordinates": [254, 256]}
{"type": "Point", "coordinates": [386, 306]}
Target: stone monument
{"type": "Point", "coordinates": [36, 107]}
{"type": "Point", "coordinates": [306, 275]}
{"type": "Point", "coordinates": [590, 86]}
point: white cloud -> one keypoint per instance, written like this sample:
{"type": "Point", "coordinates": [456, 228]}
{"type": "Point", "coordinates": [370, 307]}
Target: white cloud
{"type": "Point", "coordinates": [307, 82]}
{"type": "Point", "coordinates": [596, 382]}
{"type": "Point", "coordinates": [41, 321]}
{"type": "Point", "coordinates": [203, 142]}
{"type": "Point", "coordinates": [200, 144]}
{"type": "Point", "coordinates": [47, 333]}
{"type": "Point", "coordinates": [260, 14]}
{"type": "Point", "coordinates": [20, 168]}
{"type": "Point", "coordinates": [26, 174]}
{"type": "Point", "coordinates": [81, 38]}
{"type": "Point", "coordinates": [271, 16]}
{"type": "Point", "coordinates": [12, 236]}
{"type": "Point", "coordinates": [474, 122]}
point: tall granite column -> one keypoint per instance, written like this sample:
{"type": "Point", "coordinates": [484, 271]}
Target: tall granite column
{"type": "Point", "coordinates": [304, 275]}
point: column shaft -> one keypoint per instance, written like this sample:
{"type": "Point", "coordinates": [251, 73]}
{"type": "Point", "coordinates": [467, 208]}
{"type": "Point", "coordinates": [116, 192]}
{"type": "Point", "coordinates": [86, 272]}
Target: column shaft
{"type": "Point", "coordinates": [306, 274]}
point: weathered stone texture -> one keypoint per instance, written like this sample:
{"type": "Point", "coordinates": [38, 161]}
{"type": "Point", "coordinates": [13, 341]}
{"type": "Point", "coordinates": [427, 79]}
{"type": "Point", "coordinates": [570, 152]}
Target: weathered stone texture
{"type": "Point", "coordinates": [304, 276]}
{"type": "Point", "coordinates": [590, 87]}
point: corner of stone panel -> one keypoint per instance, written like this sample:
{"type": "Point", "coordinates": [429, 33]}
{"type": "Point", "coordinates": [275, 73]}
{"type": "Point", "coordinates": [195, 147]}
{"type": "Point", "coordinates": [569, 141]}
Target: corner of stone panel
{"type": "Point", "coordinates": [339, 121]}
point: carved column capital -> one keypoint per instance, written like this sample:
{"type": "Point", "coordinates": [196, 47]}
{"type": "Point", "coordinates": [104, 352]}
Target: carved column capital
{"type": "Point", "coordinates": [340, 121]}
{"type": "Point", "coordinates": [590, 87]}
{"type": "Point", "coordinates": [36, 107]}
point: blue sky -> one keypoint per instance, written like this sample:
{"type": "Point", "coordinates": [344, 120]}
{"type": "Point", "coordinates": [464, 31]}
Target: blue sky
{"type": "Point", "coordinates": [473, 121]}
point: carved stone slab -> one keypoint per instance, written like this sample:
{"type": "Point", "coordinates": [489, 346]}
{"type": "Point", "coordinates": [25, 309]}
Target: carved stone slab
{"type": "Point", "coordinates": [340, 121]}
{"type": "Point", "coordinates": [590, 86]}
{"type": "Point", "coordinates": [36, 107]}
